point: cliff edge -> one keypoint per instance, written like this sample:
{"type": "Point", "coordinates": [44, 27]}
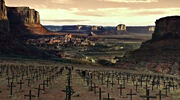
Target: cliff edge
{"type": "Point", "coordinates": [164, 45]}
{"type": "Point", "coordinates": [16, 25]}
{"type": "Point", "coordinates": [4, 24]}
{"type": "Point", "coordinates": [25, 21]}
{"type": "Point", "coordinates": [167, 28]}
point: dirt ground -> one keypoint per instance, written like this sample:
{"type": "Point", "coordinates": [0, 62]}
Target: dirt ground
{"type": "Point", "coordinates": [55, 90]}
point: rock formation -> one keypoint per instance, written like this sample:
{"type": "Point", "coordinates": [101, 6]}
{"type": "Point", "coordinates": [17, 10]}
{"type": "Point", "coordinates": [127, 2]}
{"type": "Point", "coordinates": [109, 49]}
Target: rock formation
{"type": "Point", "coordinates": [140, 29]}
{"type": "Point", "coordinates": [4, 24]}
{"type": "Point", "coordinates": [16, 25]}
{"type": "Point", "coordinates": [21, 20]}
{"type": "Point", "coordinates": [23, 15]}
{"type": "Point", "coordinates": [121, 27]}
{"type": "Point", "coordinates": [164, 45]}
{"type": "Point", "coordinates": [25, 20]}
{"type": "Point", "coordinates": [168, 27]}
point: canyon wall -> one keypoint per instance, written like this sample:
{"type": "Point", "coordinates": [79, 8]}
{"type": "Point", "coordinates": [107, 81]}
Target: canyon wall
{"type": "Point", "coordinates": [21, 20]}
{"type": "Point", "coordinates": [23, 15]}
{"type": "Point", "coordinates": [4, 24]}
{"type": "Point", "coordinates": [17, 24]}
{"type": "Point", "coordinates": [167, 27]}
{"type": "Point", "coordinates": [164, 45]}
{"type": "Point", "coordinates": [24, 20]}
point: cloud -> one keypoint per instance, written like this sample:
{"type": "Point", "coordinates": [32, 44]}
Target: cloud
{"type": "Point", "coordinates": [101, 12]}
{"type": "Point", "coordinates": [89, 13]}
{"type": "Point", "coordinates": [65, 20]}
{"type": "Point", "coordinates": [133, 1]}
{"type": "Point", "coordinates": [158, 11]}
{"type": "Point", "coordinates": [105, 16]}
{"type": "Point", "coordinates": [95, 4]}
{"type": "Point", "coordinates": [151, 12]}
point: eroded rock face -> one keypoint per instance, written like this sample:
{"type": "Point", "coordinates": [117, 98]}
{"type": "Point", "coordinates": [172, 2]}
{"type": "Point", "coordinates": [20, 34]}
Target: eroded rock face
{"type": "Point", "coordinates": [121, 27]}
{"type": "Point", "coordinates": [23, 15]}
{"type": "Point", "coordinates": [4, 24]}
{"type": "Point", "coordinates": [164, 45]}
{"type": "Point", "coordinates": [167, 27]}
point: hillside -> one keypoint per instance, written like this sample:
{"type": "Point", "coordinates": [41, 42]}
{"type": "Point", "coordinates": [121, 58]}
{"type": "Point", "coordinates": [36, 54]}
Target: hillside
{"type": "Point", "coordinates": [164, 45]}
{"type": "Point", "coordinates": [16, 25]}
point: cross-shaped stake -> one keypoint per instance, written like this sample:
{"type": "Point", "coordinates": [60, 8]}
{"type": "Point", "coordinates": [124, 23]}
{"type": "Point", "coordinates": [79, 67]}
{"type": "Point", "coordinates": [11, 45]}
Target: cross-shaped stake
{"type": "Point", "coordinates": [11, 88]}
{"type": "Point", "coordinates": [120, 89]}
{"type": "Point", "coordinates": [160, 95]}
{"type": "Point", "coordinates": [44, 85]}
{"type": "Point", "coordinates": [173, 85]}
{"type": "Point", "coordinates": [107, 82]}
{"type": "Point", "coordinates": [39, 90]}
{"type": "Point", "coordinates": [29, 80]}
{"type": "Point", "coordinates": [146, 86]}
{"type": "Point", "coordinates": [136, 86]}
{"type": "Point", "coordinates": [20, 84]}
{"type": "Point", "coordinates": [87, 80]}
{"type": "Point", "coordinates": [0, 91]}
{"type": "Point", "coordinates": [8, 78]}
{"type": "Point", "coordinates": [124, 81]}
{"type": "Point", "coordinates": [148, 95]}
{"type": "Point", "coordinates": [94, 88]}
{"type": "Point", "coordinates": [30, 95]}
{"type": "Point", "coordinates": [47, 81]}
{"type": "Point", "coordinates": [91, 83]}
{"type": "Point", "coordinates": [166, 89]}
{"type": "Point", "coordinates": [158, 83]}
{"type": "Point", "coordinates": [131, 94]}
{"type": "Point", "coordinates": [100, 93]}
{"type": "Point", "coordinates": [112, 83]}
{"type": "Point", "coordinates": [118, 79]}
{"type": "Point", "coordinates": [141, 81]}
{"type": "Point", "coordinates": [152, 85]}
{"type": "Point", "coordinates": [108, 98]}
{"type": "Point", "coordinates": [133, 79]}
{"type": "Point", "coordinates": [102, 80]}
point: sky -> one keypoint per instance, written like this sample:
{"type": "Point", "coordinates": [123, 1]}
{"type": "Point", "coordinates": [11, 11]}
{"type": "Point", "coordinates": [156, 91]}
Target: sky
{"type": "Point", "coordinates": [100, 12]}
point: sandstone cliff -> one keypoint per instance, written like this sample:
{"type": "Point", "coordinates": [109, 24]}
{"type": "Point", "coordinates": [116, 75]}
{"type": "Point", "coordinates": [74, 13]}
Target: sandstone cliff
{"type": "Point", "coordinates": [25, 21]}
{"type": "Point", "coordinates": [23, 15]}
{"type": "Point", "coordinates": [4, 24]}
{"type": "Point", "coordinates": [168, 27]}
{"type": "Point", "coordinates": [164, 45]}
{"type": "Point", "coordinates": [16, 25]}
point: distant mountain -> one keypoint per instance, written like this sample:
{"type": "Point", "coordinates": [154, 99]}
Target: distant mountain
{"type": "Point", "coordinates": [141, 29]}
{"type": "Point", "coordinates": [53, 28]}
{"type": "Point", "coordinates": [102, 30]}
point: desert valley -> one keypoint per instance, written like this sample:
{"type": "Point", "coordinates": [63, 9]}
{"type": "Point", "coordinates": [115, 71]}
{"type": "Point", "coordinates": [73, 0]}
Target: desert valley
{"type": "Point", "coordinates": [87, 62]}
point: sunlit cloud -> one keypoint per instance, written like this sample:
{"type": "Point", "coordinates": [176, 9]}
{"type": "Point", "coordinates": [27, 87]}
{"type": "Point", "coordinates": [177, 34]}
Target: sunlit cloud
{"type": "Point", "coordinates": [106, 16]}
{"type": "Point", "coordinates": [101, 12]}
{"type": "Point", "coordinates": [133, 1]}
